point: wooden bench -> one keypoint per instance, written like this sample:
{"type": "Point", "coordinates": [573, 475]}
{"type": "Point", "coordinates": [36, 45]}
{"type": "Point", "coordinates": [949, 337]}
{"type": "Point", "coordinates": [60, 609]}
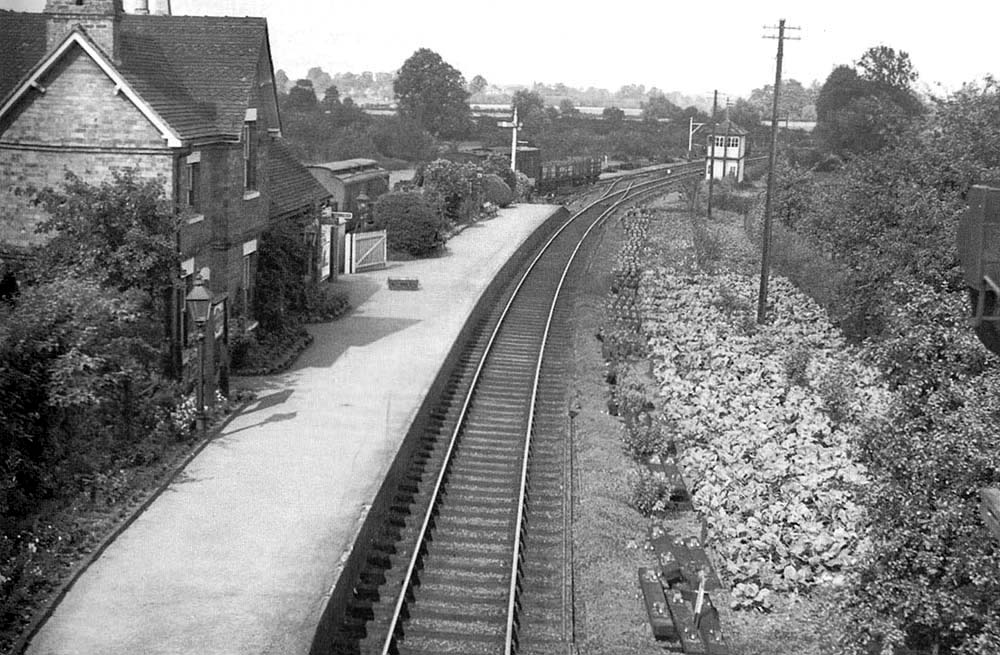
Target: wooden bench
{"type": "Point", "coordinates": [404, 283]}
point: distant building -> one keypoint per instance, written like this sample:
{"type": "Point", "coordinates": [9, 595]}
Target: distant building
{"type": "Point", "coordinates": [726, 150]}
{"type": "Point", "coordinates": [346, 180]}
{"type": "Point", "coordinates": [190, 100]}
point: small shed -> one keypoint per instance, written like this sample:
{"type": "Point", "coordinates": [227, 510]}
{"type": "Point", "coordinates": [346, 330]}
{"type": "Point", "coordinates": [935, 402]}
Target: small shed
{"type": "Point", "coordinates": [726, 151]}
{"type": "Point", "coordinates": [348, 179]}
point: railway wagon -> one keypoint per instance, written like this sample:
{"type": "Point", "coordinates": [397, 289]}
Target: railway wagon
{"type": "Point", "coordinates": [568, 172]}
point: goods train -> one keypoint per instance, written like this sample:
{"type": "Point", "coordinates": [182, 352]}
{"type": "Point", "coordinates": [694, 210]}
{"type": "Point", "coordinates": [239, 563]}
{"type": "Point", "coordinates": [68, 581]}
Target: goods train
{"type": "Point", "coordinates": [567, 172]}
{"type": "Point", "coordinates": [549, 176]}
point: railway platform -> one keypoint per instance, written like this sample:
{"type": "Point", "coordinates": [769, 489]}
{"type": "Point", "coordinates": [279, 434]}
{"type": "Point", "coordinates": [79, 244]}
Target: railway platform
{"type": "Point", "coordinates": [240, 553]}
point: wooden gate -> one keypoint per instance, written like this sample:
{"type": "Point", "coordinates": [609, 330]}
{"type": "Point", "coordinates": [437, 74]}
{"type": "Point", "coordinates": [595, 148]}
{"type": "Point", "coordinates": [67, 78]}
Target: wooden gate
{"type": "Point", "coordinates": [365, 251]}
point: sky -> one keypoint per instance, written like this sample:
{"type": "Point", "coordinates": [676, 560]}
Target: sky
{"type": "Point", "coordinates": [690, 47]}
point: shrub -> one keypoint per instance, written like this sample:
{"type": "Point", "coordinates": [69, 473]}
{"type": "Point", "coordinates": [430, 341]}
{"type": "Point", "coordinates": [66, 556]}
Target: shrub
{"type": "Point", "coordinates": [324, 303]}
{"type": "Point", "coordinates": [499, 164]}
{"type": "Point", "coordinates": [410, 223]}
{"type": "Point", "coordinates": [633, 394]}
{"type": "Point", "coordinates": [648, 492]}
{"type": "Point", "coordinates": [523, 187]}
{"type": "Point", "coordinates": [497, 191]}
{"type": "Point", "coordinates": [643, 439]}
{"type": "Point", "coordinates": [281, 288]}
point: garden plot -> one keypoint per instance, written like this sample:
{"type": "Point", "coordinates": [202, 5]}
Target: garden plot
{"type": "Point", "coordinates": [763, 417]}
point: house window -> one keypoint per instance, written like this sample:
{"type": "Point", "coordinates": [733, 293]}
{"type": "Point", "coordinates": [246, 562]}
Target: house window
{"type": "Point", "coordinates": [194, 187]}
{"type": "Point", "coordinates": [734, 142]}
{"type": "Point", "coordinates": [250, 155]}
{"type": "Point", "coordinates": [720, 142]}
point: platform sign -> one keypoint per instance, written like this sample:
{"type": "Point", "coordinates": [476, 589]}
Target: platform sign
{"type": "Point", "coordinates": [337, 218]}
{"type": "Point", "coordinates": [326, 236]}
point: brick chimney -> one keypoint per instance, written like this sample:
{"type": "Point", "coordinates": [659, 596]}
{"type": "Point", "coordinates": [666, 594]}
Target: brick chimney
{"type": "Point", "coordinates": [100, 18]}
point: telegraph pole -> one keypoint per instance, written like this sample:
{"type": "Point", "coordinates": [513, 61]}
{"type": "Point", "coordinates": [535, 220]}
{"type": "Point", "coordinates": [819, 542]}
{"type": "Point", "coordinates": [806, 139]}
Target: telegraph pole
{"type": "Point", "coordinates": [711, 153]}
{"type": "Point", "coordinates": [765, 253]}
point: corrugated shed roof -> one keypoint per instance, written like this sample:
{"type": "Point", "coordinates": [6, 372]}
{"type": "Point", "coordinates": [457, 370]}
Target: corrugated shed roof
{"type": "Point", "coordinates": [290, 185]}
{"type": "Point", "coordinates": [196, 72]}
{"type": "Point", "coordinates": [362, 176]}
{"type": "Point", "coordinates": [346, 165]}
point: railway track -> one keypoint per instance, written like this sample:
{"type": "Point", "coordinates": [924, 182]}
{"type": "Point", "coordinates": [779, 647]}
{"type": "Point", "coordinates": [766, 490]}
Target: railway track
{"type": "Point", "coordinates": [475, 557]}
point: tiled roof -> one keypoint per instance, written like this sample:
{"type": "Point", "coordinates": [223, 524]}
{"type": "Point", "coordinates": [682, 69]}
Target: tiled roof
{"type": "Point", "coordinates": [290, 185]}
{"type": "Point", "coordinates": [196, 72]}
{"type": "Point", "coordinates": [728, 126]}
{"type": "Point", "coordinates": [22, 46]}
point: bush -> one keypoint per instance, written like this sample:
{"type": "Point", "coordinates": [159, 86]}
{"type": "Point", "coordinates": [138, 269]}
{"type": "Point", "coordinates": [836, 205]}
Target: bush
{"type": "Point", "coordinates": [497, 191]}
{"type": "Point", "coordinates": [498, 164]}
{"type": "Point", "coordinates": [648, 492]}
{"type": "Point", "coordinates": [643, 439]}
{"type": "Point", "coordinates": [280, 289]}
{"type": "Point", "coordinates": [411, 224]}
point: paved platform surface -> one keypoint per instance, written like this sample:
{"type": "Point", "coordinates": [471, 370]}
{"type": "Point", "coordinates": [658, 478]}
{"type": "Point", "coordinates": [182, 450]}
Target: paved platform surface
{"type": "Point", "coordinates": [237, 555]}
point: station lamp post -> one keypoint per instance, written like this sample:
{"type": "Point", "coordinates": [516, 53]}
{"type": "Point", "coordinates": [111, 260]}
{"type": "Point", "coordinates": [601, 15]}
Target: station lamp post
{"type": "Point", "coordinates": [199, 302]}
{"type": "Point", "coordinates": [364, 205]}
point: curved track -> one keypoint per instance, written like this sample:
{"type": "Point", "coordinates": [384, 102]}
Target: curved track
{"type": "Point", "coordinates": [475, 558]}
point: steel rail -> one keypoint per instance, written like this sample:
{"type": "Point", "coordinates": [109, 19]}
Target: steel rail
{"type": "Point", "coordinates": [436, 493]}
{"type": "Point", "coordinates": [654, 185]}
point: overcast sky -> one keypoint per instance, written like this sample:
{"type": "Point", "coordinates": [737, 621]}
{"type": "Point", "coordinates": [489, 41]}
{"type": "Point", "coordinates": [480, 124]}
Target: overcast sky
{"type": "Point", "coordinates": [692, 47]}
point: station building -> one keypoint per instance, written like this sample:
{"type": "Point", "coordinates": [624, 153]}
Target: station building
{"type": "Point", "coordinates": [348, 180]}
{"type": "Point", "coordinates": [190, 101]}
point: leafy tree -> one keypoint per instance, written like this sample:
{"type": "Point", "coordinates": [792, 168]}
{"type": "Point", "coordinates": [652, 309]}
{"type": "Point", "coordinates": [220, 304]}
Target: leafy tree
{"type": "Point", "coordinates": [453, 189]}
{"type": "Point", "coordinates": [302, 96]}
{"type": "Point", "coordinates": [567, 109]}
{"type": "Point", "coordinates": [281, 81]}
{"type": "Point", "coordinates": [884, 66]}
{"type": "Point", "coordinates": [432, 93]}
{"type": "Point", "coordinates": [530, 107]}
{"type": "Point", "coordinates": [331, 98]}
{"type": "Point", "coordinates": [861, 113]}
{"type": "Point", "coordinates": [613, 114]}
{"type": "Point", "coordinates": [745, 114]}
{"type": "Point", "coordinates": [930, 579]}
{"type": "Point", "coordinates": [402, 138]}
{"type": "Point", "coordinates": [319, 78]}
{"type": "Point", "coordinates": [120, 232]}
{"type": "Point", "coordinates": [794, 103]}
{"type": "Point", "coordinates": [659, 107]}
{"type": "Point", "coordinates": [478, 85]}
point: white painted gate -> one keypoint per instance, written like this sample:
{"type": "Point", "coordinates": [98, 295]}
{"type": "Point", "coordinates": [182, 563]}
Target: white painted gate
{"type": "Point", "coordinates": [364, 251]}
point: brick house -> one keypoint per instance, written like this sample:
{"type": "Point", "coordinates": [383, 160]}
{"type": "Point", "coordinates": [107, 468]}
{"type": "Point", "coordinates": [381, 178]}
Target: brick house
{"type": "Point", "coordinates": [189, 100]}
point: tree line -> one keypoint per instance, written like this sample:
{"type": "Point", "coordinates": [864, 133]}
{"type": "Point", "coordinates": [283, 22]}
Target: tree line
{"type": "Point", "coordinates": [866, 221]}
